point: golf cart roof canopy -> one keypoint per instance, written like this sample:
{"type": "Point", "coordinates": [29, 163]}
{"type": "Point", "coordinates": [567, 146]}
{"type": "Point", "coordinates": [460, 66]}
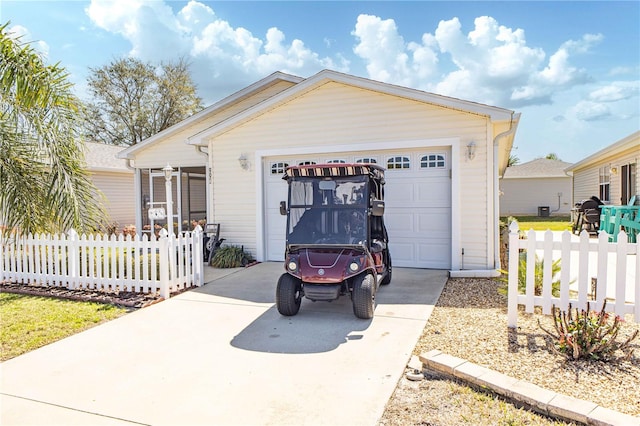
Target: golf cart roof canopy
{"type": "Point", "coordinates": [334, 170]}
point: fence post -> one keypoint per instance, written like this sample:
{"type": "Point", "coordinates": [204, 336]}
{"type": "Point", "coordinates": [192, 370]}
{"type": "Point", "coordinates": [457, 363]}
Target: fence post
{"type": "Point", "coordinates": [3, 238]}
{"type": "Point", "coordinates": [197, 258]}
{"type": "Point", "coordinates": [512, 287]}
{"type": "Point", "coordinates": [636, 304]}
{"type": "Point", "coordinates": [72, 256]}
{"type": "Point", "coordinates": [163, 242]}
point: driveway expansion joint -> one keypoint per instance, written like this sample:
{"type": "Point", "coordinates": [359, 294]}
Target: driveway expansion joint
{"type": "Point", "coordinates": [544, 401]}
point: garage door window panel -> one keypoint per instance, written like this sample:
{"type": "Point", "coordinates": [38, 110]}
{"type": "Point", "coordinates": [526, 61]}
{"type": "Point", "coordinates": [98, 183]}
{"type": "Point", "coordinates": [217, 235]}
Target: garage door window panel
{"type": "Point", "coordinates": [278, 168]}
{"type": "Point", "coordinates": [369, 160]}
{"type": "Point", "coordinates": [433, 161]}
{"type": "Point", "coordinates": [398, 163]}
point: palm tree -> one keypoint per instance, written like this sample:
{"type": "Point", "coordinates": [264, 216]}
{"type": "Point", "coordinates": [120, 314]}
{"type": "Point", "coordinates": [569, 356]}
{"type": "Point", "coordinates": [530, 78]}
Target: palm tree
{"type": "Point", "coordinates": [513, 160]}
{"type": "Point", "coordinates": [43, 178]}
{"type": "Point", "coordinates": [552, 156]}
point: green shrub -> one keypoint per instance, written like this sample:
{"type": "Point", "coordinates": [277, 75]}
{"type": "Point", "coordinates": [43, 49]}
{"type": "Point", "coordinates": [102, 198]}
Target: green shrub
{"type": "Point", "coordinates": [231, 257]}
{"type": "Point", "coordinates": [537, 275]}
{"type": "Point", "coordinates": [589, 334]}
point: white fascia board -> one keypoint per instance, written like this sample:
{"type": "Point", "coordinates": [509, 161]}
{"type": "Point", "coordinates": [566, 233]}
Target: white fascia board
{"type": "Point", "coordinates": [108, 170]}
{"type": "Point", "coordinates": [495, 113]}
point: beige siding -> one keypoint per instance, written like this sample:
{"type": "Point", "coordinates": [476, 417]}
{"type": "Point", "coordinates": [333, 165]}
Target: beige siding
{"type": "Point", "coordinates": [173, 149]}
{"type": "Point", "coordinates": [524, 196]}
{"type": "Point", "coordinates": [119, 195]}
{"type": "Point", "coordinates": [586, 179]}
{"type": "Point", "coordinates": [336, 114]}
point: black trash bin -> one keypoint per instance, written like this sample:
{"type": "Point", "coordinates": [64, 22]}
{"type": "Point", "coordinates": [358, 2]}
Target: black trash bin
{"type": "Point", "coordinates": [543, 211]}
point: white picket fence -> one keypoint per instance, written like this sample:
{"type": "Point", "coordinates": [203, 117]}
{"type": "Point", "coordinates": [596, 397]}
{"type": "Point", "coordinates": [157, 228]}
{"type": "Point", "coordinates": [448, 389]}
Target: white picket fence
{"type": "Point", "coordinates": [145, 265]}
{"type": "Point", "coordinates": [591, 270]}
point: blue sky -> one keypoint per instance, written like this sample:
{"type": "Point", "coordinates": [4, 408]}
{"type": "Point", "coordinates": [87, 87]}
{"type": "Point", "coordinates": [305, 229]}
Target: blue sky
{"type": "Point", "coordinates": [571, 68]}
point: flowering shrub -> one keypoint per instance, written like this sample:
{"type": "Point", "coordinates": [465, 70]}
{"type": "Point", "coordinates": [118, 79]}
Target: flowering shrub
{"type": "Point", "coordinates": [589, 334]}
{"type": "Point", "coordinates": [129, 230]}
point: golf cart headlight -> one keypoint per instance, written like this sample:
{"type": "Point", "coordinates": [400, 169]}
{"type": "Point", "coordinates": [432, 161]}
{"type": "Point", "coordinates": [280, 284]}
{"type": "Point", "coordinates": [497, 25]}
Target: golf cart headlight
{"type": "Point", "coordinates": [292, 266]}
{"type": "Point", "coordinates": [354, 266]}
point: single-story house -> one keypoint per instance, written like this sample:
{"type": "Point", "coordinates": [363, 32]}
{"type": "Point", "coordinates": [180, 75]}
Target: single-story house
{"type": "Point", "coordinates": [537, 188]}
{"type": "Point", "coordinates": [112, 177]}
{"type": "Point", "coordinates": [443, 158]}
{"type": "Point", "coordinates": [610, 174]}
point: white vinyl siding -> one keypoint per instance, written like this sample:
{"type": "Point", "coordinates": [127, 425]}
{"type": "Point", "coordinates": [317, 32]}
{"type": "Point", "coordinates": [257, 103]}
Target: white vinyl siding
{"type": "Point", "coordinates": [523, 196]}
{"type": "Point", "coordinates": [586, 179]}
{"type": "Point", "coordinates": [326, 116]}
{"type": "Point", "coordinates": [119, 192]}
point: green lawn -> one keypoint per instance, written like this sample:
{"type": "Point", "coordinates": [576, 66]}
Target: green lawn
{"type": "Point", "coordinates": [29, 322]}
{"type": "Point", "coordinates": [554, 223]}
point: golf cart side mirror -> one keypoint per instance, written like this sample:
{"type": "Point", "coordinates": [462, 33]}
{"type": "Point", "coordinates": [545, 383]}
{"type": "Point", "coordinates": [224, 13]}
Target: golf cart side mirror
{"type": "Point", "coordinates": [377, 208]}
{"type": "Point", "coordinates": [283, 208]}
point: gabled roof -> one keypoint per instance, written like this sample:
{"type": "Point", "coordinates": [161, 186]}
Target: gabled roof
{"type": "Point", "coordinates": [629, 142]}
{"type": "Point", "coordinates": [224, 103]}
{"type": "Point", "coordinates": [322, 77]}
{"type": "Point", "coordinates": [538, 168]}
{"type": "Point", "coordinates": [100, 157]}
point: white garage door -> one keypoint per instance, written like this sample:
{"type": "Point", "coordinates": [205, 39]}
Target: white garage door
{"type": "Point", "coordinates": [417, 198]}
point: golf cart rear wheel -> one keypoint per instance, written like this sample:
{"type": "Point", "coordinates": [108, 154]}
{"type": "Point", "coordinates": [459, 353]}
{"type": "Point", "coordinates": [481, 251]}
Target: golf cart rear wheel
{"type": "Point", "coordinates": [288, 295]}
{"type": "Point", "coordinates": [363, 296]}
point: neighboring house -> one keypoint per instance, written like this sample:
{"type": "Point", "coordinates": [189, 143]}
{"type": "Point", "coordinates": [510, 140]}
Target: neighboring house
{"type": "Point", "coordinates": [442, 155]}
{"type": "Point", "coordinates": [112, 177]}
{"type": "Point", "coordinates": [538, 187]}
{"type": "Point", "coordinates": [610, 174]}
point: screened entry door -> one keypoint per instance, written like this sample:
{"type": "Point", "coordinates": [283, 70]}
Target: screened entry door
{"type": "Point", "coordinates": [158, 198]}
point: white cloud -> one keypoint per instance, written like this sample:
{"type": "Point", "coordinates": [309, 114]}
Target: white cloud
{"type": "Point", "coordinates": [616, 91]}
{"type": "Point", "coordinates": [492, 63]}
{"type": "Point", "coordinates": [18, 32]}
{"type": "Point", "coordinates": [213, 46]}
{"type": "Point", "coordinates": [591, 111]}
{"type": "Point", "coordinates": [384, 50]}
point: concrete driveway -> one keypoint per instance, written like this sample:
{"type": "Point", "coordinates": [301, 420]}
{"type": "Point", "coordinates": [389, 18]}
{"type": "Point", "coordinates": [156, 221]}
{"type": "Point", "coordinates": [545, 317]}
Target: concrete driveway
{"type": "Point", "coordinates": [222, 354]}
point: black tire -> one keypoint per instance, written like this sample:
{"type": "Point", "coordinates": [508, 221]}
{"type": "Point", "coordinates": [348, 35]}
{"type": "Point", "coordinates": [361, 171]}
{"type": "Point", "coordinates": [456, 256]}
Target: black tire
{"type": "Point", "coordinates": [288, 295]}
{"type": "Point", "coordinates": [387, 278]}
{"type": "Point", "coordinates": [363, 297]}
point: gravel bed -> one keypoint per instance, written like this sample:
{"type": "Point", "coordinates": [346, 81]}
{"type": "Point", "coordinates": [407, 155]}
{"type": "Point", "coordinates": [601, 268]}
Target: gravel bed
{"type": "Point", "coordinates": [470, 322]}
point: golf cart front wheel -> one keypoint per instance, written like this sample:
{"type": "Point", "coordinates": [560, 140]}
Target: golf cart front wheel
{"type": "Point", "coordinates": [288, 295]}
{"type": "Point", "coordinates": [364, 294]}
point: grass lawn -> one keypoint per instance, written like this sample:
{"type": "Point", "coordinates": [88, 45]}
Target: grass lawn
{"type": "Point", "coordinates": [29, 322]}
{"type": "Point", "coordinates": [554, 223]}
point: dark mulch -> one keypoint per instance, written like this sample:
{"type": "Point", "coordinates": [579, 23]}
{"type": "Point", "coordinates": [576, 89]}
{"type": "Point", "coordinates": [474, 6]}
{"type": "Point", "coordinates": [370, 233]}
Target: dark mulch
{"type": "Point", "coordinates": [126, 299]}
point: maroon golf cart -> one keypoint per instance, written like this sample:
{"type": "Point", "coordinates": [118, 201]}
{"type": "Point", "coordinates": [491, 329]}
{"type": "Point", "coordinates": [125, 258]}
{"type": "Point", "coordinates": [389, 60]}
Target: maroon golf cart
{"type": "Point", "coordinates": [337, 243]}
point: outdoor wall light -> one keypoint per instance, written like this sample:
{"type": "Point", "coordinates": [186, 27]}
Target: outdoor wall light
{"type": "Point", "coordinates": [168, 170]}
{"type": "Point", "coordinates": [614, 170]}
{"type": "Point", "coordinates": [471, 150]}
{"type": "Point", "coordinates": [244, 162]}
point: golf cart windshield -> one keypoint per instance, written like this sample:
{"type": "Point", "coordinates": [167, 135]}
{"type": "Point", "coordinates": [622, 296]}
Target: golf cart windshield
{"type": "Point", "coordinates": [328, 211]}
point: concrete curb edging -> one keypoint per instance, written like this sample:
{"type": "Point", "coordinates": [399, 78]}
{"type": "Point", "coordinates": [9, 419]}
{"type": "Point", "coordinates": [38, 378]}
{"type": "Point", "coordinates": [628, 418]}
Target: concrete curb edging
{"type": "Point", "coordinates": [539, 399]}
